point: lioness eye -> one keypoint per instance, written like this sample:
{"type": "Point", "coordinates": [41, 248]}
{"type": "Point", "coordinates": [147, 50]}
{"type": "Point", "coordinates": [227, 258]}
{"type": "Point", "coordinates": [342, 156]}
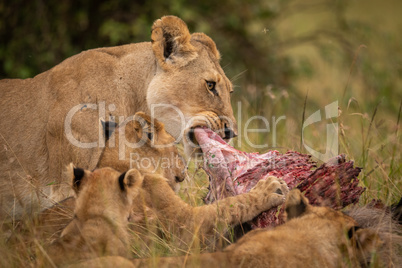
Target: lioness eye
{"type": "Point", "coordinates": [211, 87]}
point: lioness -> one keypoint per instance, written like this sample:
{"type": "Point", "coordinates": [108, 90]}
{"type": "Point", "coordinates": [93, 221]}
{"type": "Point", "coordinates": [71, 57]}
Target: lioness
{"type": "Point", "coordinates": [53, 119]}
{"type": "Point", "coordinates": [311, 237]}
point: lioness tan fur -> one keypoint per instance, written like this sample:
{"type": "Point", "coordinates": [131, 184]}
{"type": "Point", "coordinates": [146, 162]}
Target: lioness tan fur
{"type": "Point", "coordinates": [312, 237]}
{"type": "Point", "coordinates": [99, 226]}
{"type": "Point", "coordinates": [54, 118]}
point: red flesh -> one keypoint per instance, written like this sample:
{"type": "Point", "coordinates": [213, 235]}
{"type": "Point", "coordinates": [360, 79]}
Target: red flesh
{"type": "Point", "coordinates": [233, 172]}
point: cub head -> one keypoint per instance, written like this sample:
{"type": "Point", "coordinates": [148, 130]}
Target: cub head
{"type": "Point", "coordinates": [189, 88]}
{"type": "Point", "coordinates": [104, 192]}
{"type": "Point", "coordinates": [356, 244]}
{"type": "Point", "coordinates": [141, 142]}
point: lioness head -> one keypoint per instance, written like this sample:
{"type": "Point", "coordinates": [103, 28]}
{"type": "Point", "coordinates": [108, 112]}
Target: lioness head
{"type": "Point", "coordinates": [141, 142]}
{"type": "Point", "coordinates": [189, 88]}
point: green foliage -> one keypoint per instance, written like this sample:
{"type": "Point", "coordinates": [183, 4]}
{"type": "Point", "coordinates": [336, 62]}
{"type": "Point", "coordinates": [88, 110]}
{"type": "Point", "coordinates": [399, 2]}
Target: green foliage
{"type": "Point", "coordinates": [254, 36]}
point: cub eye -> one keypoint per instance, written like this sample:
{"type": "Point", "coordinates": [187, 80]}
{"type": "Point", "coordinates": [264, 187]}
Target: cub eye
{"type": "Point", "coordinates": [211, 87]}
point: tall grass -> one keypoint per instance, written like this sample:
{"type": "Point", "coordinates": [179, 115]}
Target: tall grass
{"type": "Point", "coordinates": [368, 88]}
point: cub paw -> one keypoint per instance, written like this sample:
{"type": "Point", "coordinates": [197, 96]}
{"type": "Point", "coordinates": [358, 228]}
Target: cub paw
{"type": "Point", "coordinates": [271, 192]}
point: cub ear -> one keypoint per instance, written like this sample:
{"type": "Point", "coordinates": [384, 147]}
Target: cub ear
{"type": "Point", "coordinates": [364, 242]}
{"type": "Point", "coordinates": [396, 210]}
{"type": "Point", "coordinates": [77, 175]}
{"type": "Point", "coordinates": [171, 43]}
{"type": "Point", "coordinates": [296, 204]}
{"type": "Point", "coordinates": [131, 179]}
{"type": "Point", "coordinates": [145, 125]}
{"type": "Point", "coordinates": [147, 121]}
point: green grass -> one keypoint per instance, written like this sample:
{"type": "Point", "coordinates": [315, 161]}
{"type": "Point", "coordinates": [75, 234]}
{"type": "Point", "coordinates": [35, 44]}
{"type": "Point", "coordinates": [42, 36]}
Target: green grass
{"type": "Point", "coordinates": [366, 82]}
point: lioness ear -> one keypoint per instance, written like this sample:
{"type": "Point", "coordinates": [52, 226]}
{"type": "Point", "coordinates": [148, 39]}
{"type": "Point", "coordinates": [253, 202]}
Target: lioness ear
{"type": "Point", "coordinates": [130, 179]}
{"type": "Point", "coordinates": [77, 176]}
{"type": "Point", "coordinates": [208, 42]}
{"type": "Point", "coordinates": [171, 43]}
{"type": "Point", "coordinates": [296, 204]}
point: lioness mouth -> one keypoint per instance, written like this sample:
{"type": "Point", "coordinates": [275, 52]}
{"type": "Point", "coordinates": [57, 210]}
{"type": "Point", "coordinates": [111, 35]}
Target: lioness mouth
{"type": "Point", "coordinates": [191, 136]}
{"type": "Point", "coordinates": [227, 134]}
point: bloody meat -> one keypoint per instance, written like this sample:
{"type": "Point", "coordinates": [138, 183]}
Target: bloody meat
{"type": "Point", "coordinates": [232, 172]}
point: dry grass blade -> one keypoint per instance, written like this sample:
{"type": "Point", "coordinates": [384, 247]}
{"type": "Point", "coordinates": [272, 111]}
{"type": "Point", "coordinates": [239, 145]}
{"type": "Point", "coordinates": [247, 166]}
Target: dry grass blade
{"type": "Point", "coordinates": [351, 69]}
{"type": "Point", "coordinates": [303, 117]}
{"type": "Point", "coordinates": [396, 139]}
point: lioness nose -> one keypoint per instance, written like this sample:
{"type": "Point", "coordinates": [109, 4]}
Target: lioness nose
{"type": "Point", "coordinates": [229, 133]}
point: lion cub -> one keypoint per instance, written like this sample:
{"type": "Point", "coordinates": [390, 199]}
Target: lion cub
{"type": "Point", "coordinates": [159, 210]}
{"type": "Point", "coordinates": [107, 201]}
{"type": "Point", "coordinates": [99, 226]}
{"type": "Point", "coordinates": [311, 237]}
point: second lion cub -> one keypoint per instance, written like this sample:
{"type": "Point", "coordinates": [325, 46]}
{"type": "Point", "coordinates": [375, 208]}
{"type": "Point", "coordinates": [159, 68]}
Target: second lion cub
{"type": "Point", "coordinates": [107, 200]}
{"type": "Point", "coordinates": [99, 225]}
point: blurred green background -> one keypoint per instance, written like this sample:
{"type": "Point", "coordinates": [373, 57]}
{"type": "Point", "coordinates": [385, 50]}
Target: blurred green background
{"type": "Point", "coordinates": [273, 51]}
